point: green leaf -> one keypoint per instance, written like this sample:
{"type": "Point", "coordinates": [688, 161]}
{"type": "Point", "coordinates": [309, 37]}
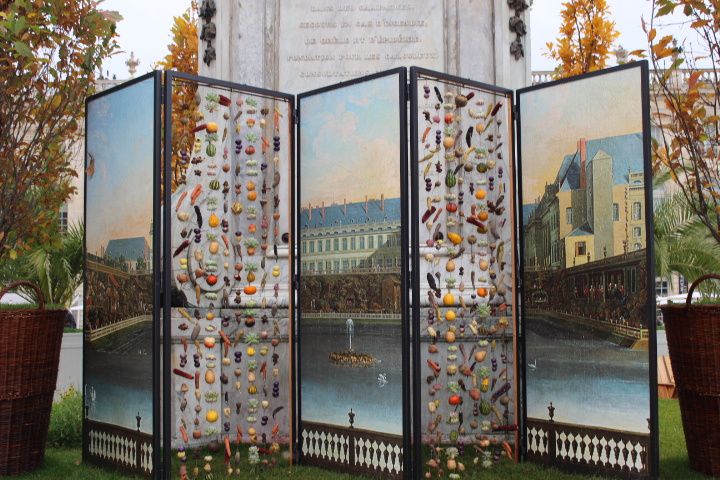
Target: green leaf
{"type": "Point", "coordinates": [20, 25]}
{"type": "Point", "coordinates": [23, 49]}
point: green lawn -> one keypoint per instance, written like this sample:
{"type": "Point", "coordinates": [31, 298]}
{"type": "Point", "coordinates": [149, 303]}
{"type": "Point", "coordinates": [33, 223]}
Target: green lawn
{"type": "Point", "coordinates": [65, 463]}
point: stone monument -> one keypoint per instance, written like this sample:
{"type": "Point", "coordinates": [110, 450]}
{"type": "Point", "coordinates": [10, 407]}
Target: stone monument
{"type": "Point", "coordinates": [299, 45]}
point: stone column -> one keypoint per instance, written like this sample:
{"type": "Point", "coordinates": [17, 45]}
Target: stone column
{"type": "Point", "coordinates": [473, 39]}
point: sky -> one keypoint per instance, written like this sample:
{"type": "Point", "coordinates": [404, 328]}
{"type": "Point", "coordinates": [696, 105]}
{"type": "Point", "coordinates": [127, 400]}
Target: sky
{"type": "Point", "coordinates": [554, 119]}
{"type": "Point", "coordinates": [120, 137]}
{"type": "Point", "coordinates": [145, 30]}
{"type": "Point", "coordinates": [349, 143]}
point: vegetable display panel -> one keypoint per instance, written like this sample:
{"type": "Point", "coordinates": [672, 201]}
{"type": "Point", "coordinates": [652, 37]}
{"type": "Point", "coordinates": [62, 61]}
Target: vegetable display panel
{"type": "Point", "coordinates": [353, 322]}
{"type": "Point", "coordinates": [120, 298]}
{"type": "Point", "coordinates": [466, 395]}
{"type": "Point", "coordinates": [588, 296]}
{"type": "Point", "coordinates": [229, 342]}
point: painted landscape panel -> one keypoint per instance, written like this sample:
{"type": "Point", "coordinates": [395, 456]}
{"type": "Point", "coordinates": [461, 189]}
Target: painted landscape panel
{"type": "Point", "coordinates": [584, 225]}
{"type": "Point", "coordinates": [119, 277]}
{"type": "Point", "coordinates": [350, 230]}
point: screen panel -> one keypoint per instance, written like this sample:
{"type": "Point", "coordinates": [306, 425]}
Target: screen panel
{"type": "Point", "coordinates": [588, 296]}
{"type": "Point", "coordinates": [466, 388]}
{"type": "Point", "coordinates": [229, 201]}
{"type": "Point", "coordinates": [119, 296]}
{"type": "Point", "coordinates": [353, 353]}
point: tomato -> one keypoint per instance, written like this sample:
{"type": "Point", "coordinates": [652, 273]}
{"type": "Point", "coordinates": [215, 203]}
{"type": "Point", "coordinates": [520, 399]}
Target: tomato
{"type": "Point", "coordinates": [455, 400]}
{"type": "Point", "coordinates": [211, 279]}
{"type": "Point", "coordinates": [451, 207]}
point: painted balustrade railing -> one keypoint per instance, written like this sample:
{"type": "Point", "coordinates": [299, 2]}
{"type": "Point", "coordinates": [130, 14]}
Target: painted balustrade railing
{"type": "Point", "coordinates": [587, 449]}
{"type": "Point", "coordinates": [352, 450]}
{"type": "Point", "coordinates": [122, 448]}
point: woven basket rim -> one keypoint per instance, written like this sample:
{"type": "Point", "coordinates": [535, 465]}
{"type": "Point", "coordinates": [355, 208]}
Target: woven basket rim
{"type": "Point", "coordinates": [682, 306]}
{"type": "Point", "coordinates": [33, 311]}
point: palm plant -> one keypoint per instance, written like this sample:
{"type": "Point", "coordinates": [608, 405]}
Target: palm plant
{"type": "Point", "coordinates": [56, 268]}
{"type": "Point", "coordinates": [682, 243]}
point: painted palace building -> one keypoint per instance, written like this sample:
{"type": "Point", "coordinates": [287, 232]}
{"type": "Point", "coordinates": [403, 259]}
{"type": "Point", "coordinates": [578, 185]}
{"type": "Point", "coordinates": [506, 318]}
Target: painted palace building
{"type": "Point", "coordinates": [357, 237]}
{"type": "Point", "coordinates": [568, 226]}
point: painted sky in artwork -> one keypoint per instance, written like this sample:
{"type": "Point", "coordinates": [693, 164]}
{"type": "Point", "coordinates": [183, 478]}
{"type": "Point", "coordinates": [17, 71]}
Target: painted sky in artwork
{"type": "Point", "coordinates": [555, 118]}
{"type": "Point", "coordinates": [350, 143]}
{"type": "Point", "coordinates": [120, 192]}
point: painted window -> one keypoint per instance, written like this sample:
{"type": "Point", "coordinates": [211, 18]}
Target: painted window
{"type": "Point", "coordinates": [568, 216]}
{"type": "Point", "coordinates": [616, 212]}
{"type": "Point", "coordinates": [637, 211]}
{"type": "Point", "coordinates": [580, 249]}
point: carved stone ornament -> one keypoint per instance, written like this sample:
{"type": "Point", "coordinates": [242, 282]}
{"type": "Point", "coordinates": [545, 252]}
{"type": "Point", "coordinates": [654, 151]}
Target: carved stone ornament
{"type": "Point", "coordinates": [518, 27]}
{"type": "Point", "coordinates": [209, 31]}
{"type": "Point", "coordinates": [207, 10]}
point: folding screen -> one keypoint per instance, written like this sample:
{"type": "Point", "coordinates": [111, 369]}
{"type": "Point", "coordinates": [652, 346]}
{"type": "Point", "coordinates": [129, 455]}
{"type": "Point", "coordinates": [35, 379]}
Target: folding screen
{"type": "Point", "coordinates": [121, 298]}
{"type": "Point", "coordinates": [228, 323]}
{"type": "Point", "coordinates": [588, 296]}
{"type": "Point", "coordinates": [466, 395]}
{"type": "Point", "coordinates": [353, 321]}
{"type": "Point", "coordinates": [530, 332]}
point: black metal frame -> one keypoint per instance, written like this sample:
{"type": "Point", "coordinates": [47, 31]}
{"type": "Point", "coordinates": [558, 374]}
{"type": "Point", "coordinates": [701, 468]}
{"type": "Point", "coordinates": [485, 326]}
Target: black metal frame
{"type": "Point", "coordinates": [650, 280]}
{"type": "Point", "coordinates": [156, 76]}
{"type": "Point", "coordinates": [401, 72]}
{"type": "Point", "coordinates": [169, 78]}
{"type": "Point", "coordinates": [416, 73]}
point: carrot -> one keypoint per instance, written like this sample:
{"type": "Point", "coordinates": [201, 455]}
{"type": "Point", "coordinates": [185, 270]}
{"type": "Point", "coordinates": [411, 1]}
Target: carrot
{"type": "Point", "coordinates": [227, 446]}
{"type": "Point", "coordinates": [197, 379]}
{"type": "Point", "coordinates": [226, 241]}
{"type": "Point", "coordinates": [276, 118]}
{"type": "Point", "coordinates": [435, 367]}
{"type": "Point", "coordinates": [265, 144]}
{"type": "Point", "coordinates": [437, 215]}
{"type": "Point", "coordinates": [180, 200]}
{"type": "Point", "coordinates": [275, 430]}
{"type": "Point", "coordinates": [239, 434]}
{"type": "Point", "coordinates": [263, 370]}
{"type": "Point", "coordinates": [225, 338]}
{"type": "Point", "coordinates": [195, 193]}
{"type": "Point", "coordinates": [508, 450]}
{"type": "Point", "coordinates": [184, 434]}
{"type": "Point", "coordinates": [425, 134]}
{"type": "Point", "coordinates": [200, 128]}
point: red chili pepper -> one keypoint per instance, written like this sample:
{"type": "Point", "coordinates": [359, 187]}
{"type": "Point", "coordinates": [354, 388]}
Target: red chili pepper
{"type": "Point", "coordinates": [225, 101]}
{"type": "Point", "coordinates": [428, 213]}
{"type": "Point", "coordinates": [182, 373]}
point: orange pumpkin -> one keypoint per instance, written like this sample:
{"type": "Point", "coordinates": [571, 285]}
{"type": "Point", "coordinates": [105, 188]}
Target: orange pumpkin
{"type": "Point", "coordinates": [252, 195]}
{"type": "Point", "coordinates": [482, 292]}
{"type": "Point", "coordinates": [250, 290]}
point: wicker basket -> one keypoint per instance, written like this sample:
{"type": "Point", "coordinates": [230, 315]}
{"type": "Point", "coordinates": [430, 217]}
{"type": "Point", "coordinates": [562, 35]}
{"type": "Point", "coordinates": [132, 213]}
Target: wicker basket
{"type": "Point", "coordinates": [30, 343]}
{"type": "Point", "coordinates": [693, 335]}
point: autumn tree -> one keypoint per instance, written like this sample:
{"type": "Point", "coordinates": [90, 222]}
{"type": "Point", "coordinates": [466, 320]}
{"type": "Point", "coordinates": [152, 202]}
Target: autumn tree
{"type": "Point", "coordinates": [49, 52]}
{"type": "Point", "coordinates": [687, 105]}
{"type": "Point", "coordinates": [183, 57]}
{"type": "Point", "coordinates": [586, 37]}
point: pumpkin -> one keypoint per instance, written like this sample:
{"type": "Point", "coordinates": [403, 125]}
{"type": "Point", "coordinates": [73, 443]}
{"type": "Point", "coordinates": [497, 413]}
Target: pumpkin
{"type": "Point", "coordinates": [455, 400]}
{"type": "Point", "coordinates": [480, 194]}
{"type": "Point", "coordinates": [211, 127]}
{"type": "Point", "coordinates": [252, 196]}
{"type": "Point", "coordinates": [451, 207]}
{"type": "Point", "coordinates": [483, 264]}
{"type": "Point", "coordinates": [250, 150]}
{"type": "Point", "coordinates": [252, 228]}
{"type": "Point", "coordinates": [250, 290]}
{"type": "Point", "coordinates": [449, 299]}
{"type": "Point", "coordinates": [482, 215]}
{"type": "Point", "coordinates": [450, 336]}
{"type": "Point", "coordinates": [480, 355]}
{"type": "Point", "coordinates": [482, 292]}
{"type": "Point", "coordinates": [450, 316]}
{"type": "Point", "coordinates": [448, 142]}
{"type": "Point", "coordinates": [214, 220]}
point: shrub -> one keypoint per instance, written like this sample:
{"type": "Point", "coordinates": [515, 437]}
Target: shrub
{"type": "Point", "coordinates": [66, 421]}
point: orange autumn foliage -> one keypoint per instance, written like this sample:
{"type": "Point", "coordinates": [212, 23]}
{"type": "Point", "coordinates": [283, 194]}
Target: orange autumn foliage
{"type": "Point", "coordinates": [586, 37]}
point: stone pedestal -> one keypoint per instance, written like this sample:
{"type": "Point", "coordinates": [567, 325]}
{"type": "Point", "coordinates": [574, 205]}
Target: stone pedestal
{"type": "Point", "coordinates": [299, 45]}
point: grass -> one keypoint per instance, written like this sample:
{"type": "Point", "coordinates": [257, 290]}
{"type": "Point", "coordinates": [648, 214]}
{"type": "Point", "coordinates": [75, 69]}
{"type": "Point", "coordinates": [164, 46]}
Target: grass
{"type": "Point", "coordinates": [66, 462]}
